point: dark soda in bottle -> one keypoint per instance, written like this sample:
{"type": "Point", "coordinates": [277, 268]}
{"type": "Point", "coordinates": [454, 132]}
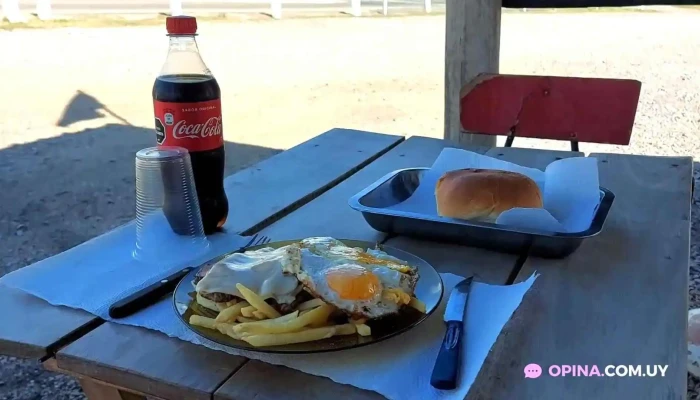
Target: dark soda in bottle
{"type": "Point", "coordinates": [187, 105]}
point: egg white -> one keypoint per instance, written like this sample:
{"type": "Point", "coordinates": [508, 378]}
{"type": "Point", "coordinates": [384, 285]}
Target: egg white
{"type": "Point", "coordinates": [310, 262]}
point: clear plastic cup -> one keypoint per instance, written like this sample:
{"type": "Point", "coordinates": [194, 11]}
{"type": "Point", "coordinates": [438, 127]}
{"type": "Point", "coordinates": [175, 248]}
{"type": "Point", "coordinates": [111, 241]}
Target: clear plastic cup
{"type": "Point", "coordinates": [168, 222]}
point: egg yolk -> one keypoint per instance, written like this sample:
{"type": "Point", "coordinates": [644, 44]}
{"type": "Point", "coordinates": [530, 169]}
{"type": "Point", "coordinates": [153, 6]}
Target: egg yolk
{"type": "Point", "coordinates": [353, 282]}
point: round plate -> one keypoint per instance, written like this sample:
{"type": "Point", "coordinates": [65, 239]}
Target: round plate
{"type": "Point", "coordinates": [429, 290]}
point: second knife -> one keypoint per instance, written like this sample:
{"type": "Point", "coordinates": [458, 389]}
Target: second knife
{"type": "Point", "coordinates": [446, 370]}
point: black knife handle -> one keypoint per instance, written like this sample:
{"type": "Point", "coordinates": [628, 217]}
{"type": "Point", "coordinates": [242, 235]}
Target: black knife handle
{"type": "Point", "coordinates": [446, 367]}
{"type": "Point", "coordinates": [146, 296]}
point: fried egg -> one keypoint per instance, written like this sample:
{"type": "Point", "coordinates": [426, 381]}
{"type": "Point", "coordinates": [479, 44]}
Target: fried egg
{"type": "Point", "coordinates": [368, 284]}
{"type": "Point", "coordinates": [258, 270]}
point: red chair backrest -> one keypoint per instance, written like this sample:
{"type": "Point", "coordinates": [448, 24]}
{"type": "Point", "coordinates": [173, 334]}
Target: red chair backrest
{"type": "Point", "coordinates": [548, 107]}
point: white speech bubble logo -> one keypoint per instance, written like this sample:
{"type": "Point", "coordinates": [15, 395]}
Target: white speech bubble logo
{"type": "Point", "coordinates": [533, 371]}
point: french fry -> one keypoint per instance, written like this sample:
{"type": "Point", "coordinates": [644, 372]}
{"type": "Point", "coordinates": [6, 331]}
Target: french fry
{"type": "Point", "coordinates": [282, 319]}
{"type": "Point", "coordinates": [363, 330]}
{"type": "Point", "coordinates": [308, 305]}
{"type": "Point", "coordinates": [245, 320]}
{"type": "Point", "coordinates": [223, 306]}
{"type": "Point", "coordinates": [227, 329]}
{"type": "Point", "coordinates": [345, 329]}
{"type": "Point", "coordinates": [230, 314]}
{"type": "Point", "coordinates": [259, 315]}
{"type": "Point", "coordinates": [204, 322]}
{"type": "Point", "coordinates": [279, 339]}
{"type": "Point", "coordinates": [257, 302]}
{"type": "Point", "coordinates": [248, 311]}
{"type": "Point", "coordinates": [224, 328]}
{"type": "Point", "coordinates": [417, 304]}
{"type": "Point", "coordinates": [318, 315]}
{"type": "Point", "coordinates": [212, 305]}
{"type": "Point", "coordinates": [321, 318]}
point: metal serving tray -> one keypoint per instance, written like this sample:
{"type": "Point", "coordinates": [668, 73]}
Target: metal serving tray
{"type": "Point", "coordinates": [399, 185]}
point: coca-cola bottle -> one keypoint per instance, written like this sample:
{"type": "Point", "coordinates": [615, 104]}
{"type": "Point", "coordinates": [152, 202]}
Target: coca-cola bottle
{"type": "Point", "coordinates": [187, 104]}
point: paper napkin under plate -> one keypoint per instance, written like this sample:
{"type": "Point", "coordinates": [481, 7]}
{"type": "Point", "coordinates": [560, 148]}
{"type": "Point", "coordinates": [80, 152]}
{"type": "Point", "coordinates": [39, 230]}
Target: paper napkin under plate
{"type": "Point", "coordinates": [94, 274]}
{"type": "Point", "coordinates": [398, 368]}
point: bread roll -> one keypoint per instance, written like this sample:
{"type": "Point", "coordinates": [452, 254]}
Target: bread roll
{"type": "Point", "coordinates": [484, 194]}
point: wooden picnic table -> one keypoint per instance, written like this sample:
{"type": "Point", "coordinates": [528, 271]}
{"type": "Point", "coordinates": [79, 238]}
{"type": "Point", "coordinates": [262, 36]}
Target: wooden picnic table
{"type": "Point", "coordinates": [621, 299]}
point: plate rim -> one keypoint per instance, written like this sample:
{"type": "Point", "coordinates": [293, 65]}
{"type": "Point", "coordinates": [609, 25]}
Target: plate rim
{"type": "Point", "coordinates": [271, 349]}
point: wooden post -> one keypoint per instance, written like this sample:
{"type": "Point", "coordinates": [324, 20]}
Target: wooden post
{"type": "Point", "coordinates": [428, 6]}
{"type": "Point", "coordinates": [472, 46]}
{"type": "Point", "coordinates": [10, 9]}
{"type": "Point", "coordinates": [43, 9]}
{"type": "Point", "coordinates": [175, 7]}
{"type": "Point", "coordinates": [385, 7]}
{"type": "Point", "coordinates": [276, 9]}
{"type": "Point", "coordinates": [356, 8]}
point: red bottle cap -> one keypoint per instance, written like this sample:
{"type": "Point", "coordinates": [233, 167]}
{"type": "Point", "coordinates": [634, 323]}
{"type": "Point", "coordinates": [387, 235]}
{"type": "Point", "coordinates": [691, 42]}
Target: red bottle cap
{"type": "Point", "coordinates": [181, 25]}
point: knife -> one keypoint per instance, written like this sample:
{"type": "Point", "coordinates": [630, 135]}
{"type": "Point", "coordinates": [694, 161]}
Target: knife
{"type": "Point", "coordinates": [147, 296]}
{"type": "Point", "coordinates": [153, 293]}
{"type": "Point", "coordinates": [446, 370]}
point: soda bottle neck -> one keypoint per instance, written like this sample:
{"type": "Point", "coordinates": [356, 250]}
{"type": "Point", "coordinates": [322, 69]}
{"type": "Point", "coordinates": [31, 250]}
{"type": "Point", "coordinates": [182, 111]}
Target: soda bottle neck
{"type": "Point", "coordinates": [184, 58]}
{"type": "Point", "coordinates": [183, 43]}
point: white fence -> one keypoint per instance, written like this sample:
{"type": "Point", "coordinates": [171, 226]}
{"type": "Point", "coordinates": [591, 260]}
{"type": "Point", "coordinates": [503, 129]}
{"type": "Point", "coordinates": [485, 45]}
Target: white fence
{"type": "Point", "coordinates": [276, 7]}
{"type": "Point", "coordinates": [10, 9]}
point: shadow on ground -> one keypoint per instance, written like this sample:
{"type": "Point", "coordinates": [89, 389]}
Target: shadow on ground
{"type": "Point", "coordinates": [59, 192]}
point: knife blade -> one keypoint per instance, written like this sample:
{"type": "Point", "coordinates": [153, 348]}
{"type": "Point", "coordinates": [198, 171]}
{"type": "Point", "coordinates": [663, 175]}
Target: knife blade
{"type": "Point", "coordinates": [446, 369]}
{"type": "Point", "coordinates": [151, 294]}
{"type": "Point", "coordinates": [146, 296]}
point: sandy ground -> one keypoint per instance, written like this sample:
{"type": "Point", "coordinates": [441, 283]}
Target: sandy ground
{"type": "Point", "coordinates": [76, 105]}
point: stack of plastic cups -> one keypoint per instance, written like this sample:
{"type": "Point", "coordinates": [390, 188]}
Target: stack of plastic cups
{"type": "Point", "coordinates": [168, 222]}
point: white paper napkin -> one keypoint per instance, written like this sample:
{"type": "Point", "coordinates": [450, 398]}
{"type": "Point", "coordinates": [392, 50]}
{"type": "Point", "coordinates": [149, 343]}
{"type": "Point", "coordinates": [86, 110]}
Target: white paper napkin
{"type": "Point", "coordinates": [94, 274]}
{"type": "Point", "coordinates": [570, 190]}
{"type": "Point", "coordinates": [398, 368]}
{"type": "Point", "coordinates": [99, 272]}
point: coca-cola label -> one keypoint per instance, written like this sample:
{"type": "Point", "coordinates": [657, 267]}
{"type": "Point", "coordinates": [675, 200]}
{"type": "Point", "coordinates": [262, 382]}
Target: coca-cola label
{"type": "Point", "coordinates": [194, 126]}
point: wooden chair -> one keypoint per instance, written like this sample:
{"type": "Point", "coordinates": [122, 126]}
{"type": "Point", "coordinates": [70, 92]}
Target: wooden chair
{"type": "Point", "coordinates": [480, 103]}
{"type": "Point", "coordinates": [547, 107]}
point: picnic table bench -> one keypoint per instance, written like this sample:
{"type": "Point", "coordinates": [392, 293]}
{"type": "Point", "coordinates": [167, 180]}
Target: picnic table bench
{"type": "Point", "coordinates": [620, 299]}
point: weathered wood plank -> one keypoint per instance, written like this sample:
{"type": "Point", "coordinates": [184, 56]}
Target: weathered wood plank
{"type": "Point", "coordinates": [280, 184]}
{"type": "Point", "coordinates": [32, 325]}
{"type": "Point", "coordinates": [620, 299]}
{"type": "Point", "coordinates": [472, 47]}
{"type": "Point", "coordinates": [533, 158]}
{"type": "Point", "coordinates": [51, 365]}
{"type": "Point", "coordinates": [486, 266]}
{"type": "Point", "coordinates": [285, 383]}
{"type": "Point", "coordinates": [256, 200]}
{"type": "Point", "coordinates": [95, 391]}
{"type": "Point", "coordinates": [329, 214]}
{"type": "Point", "coordinates": [148, 362]}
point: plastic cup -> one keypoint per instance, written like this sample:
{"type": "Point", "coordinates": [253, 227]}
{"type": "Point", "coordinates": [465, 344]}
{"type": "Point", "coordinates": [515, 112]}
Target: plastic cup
{"type": "Point", "coordinates": [168, 222]}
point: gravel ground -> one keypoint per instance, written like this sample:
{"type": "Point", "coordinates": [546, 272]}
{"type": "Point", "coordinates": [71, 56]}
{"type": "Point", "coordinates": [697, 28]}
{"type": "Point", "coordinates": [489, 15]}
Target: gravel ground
{"type": "Point", "coordinates": [76, 106]}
